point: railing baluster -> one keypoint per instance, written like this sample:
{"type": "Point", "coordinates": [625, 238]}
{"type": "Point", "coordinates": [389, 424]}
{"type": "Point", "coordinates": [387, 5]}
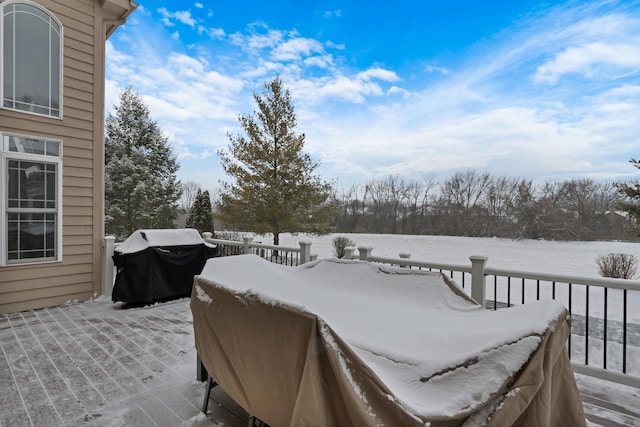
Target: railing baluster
{"type": "Point", "coordinates": [624, 331]}
{"type": "Point", "coordinates": [495, 292]}
{"type": "Point", "coordinates": [571, 313]}
{"type": "Point", "coordinates": [586, 329]}
{"type": "Point", "coordinates": [523, 290]}
{"type": "Point", "coordinates": [604, 332]}
{"type": "Point", "coordinates": [509, 291]}
{"type": "Point", "coordinates": [538, 290]}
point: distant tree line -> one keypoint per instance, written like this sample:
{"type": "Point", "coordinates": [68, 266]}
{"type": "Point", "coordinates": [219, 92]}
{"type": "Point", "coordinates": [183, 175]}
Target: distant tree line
{"type": "Point", "coordinates": [478, 204]}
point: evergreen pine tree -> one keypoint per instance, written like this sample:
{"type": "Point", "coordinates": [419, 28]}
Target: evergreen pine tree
{"type": "Point", "coordinates": [275, 189]}
{"type": "Point", "coordinates": [631, 203]}
{"type": "Point", "coordinates": [141, 189]}
{"type": "Point", "coordinates": [201, 215]}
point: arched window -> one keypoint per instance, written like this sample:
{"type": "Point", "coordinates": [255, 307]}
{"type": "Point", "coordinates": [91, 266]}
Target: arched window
{"type": "Point", "coordinates": [31, 59]}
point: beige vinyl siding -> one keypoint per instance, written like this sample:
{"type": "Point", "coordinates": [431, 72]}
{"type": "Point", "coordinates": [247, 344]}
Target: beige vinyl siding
{"type": "Point", "coordinates": [40, 285]}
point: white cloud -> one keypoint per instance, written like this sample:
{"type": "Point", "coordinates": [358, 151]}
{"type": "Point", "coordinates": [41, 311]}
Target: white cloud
{"type": "Point", "coordinates": [590, 60]}
{"type": "Point", "coordinates": [183, 16]}
{"type": "Point", "coordinates": [165, 17]}
{"type": "Point", "coordinates": [397, 91]}
{"type": "Point", "coordinates": [199, 5]}
{"type": "Point", "coordinates": [214, 33]}
{"type": "Point", "coordinates": [295, 49]}
{"type": "Point", "coordinates": [221, 82]}
{"type": "Point", "coordinates": [333, 13]}
{"type": "Point", "coordinates": [353, 90]}
{"type": "Point", "coordinates": [323, 61]}
{"type": "Point", "coordinates": [434, 69]}
{"type": "Point", "coordinates": [115, 55]}
{"type": "Point", "coordinates": [379, 74]}
{"type": "Point", "coordinates": [185, 94]}
{"type": "Point", "coordinates": [336, 46]}
{"type": "Point", "coordinates": [186, 65]}
{"type": "Point", "coordinates": [160, 107]}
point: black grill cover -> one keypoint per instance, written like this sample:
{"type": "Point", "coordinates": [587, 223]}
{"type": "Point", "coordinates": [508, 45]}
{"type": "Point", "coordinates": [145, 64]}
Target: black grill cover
{"type": "Point", "coordinates": [158, 273]}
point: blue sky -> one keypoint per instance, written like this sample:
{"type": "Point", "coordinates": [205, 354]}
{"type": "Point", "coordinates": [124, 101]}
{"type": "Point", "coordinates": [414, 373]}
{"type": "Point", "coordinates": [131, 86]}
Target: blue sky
{"type": "Point", "coordinates": [543, 90]}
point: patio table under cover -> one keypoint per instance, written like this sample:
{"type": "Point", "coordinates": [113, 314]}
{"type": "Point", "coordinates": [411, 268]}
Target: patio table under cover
{"type": "Point", "coordinates": [340, 343]}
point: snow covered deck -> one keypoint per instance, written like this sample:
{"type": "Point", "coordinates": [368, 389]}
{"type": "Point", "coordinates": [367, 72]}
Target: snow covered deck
{"type": "Point", "coordinates": [96, 365]}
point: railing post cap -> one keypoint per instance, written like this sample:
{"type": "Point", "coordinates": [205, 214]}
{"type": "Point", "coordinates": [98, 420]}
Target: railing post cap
{"type": "Point", "coordinates": [113, 238]}
{"type": "Point", "coordinates": [478, 258]}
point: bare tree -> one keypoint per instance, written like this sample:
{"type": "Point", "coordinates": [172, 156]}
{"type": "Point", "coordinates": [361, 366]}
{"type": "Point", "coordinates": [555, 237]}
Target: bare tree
{"type": "Point", "coordinates": [189, 193]}
{"type": "Point", "coordinates": [461, 200]}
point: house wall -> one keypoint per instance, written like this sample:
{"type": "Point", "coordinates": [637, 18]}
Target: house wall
{"type": "Point", "coordinates": [78, 276]}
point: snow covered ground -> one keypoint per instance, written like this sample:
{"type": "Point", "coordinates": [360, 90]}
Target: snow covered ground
{"type": "Point", "coordinates": [568, 258]}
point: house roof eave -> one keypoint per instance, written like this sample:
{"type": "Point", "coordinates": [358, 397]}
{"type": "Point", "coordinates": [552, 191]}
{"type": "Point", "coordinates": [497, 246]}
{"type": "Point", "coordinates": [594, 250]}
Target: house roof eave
{"type": "Point", "coordinates": [116, 13]}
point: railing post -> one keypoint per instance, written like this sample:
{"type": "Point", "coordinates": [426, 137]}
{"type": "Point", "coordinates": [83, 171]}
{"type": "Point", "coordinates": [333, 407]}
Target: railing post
{"type": "Point", "coordinates": [206, 235]}
{"type": "Point", "coordinates": [365, 252]}
{"type": "Point", "coordinates": [107, 262]}
{"type": "Point", "coordinates": [478, 279]}
{"type": "Point", "coordinates": [305, 251]}
{"type": "Point", "coordinates": [247, 240]}
{"type": "Point", "coordinates": [404, 255]}
{"type": "Point", "coordinates": [348, 252]}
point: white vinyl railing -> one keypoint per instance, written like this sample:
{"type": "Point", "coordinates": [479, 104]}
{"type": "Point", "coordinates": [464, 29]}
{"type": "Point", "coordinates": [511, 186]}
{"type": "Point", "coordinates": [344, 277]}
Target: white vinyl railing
{"type": "Point", "coordinates": [604, 343]}
{"type": "Point", "coordinates": [274, 253]}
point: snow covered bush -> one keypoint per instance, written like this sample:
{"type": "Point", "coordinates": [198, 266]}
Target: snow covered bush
{"type": "Point", "coordinates": [340, 243]}
{"type": "Point", "coordinates": [620, 266]}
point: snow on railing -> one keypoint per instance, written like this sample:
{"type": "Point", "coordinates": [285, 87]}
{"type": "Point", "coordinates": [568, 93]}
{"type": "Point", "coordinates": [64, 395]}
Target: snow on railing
{"type": "Point", "coordinates": [274, 253]}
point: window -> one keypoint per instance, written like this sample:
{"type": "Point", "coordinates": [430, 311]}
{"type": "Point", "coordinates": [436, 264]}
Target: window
{"type": "Point", "coordinates": [31, 59]}
{"type": "Point", "coordinates": [31, 199]}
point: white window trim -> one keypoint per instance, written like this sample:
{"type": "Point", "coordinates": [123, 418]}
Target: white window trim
{"type": "Point", "coordinates": [61, 65]}
{"type": "Point", "coordinates": [5, 154]}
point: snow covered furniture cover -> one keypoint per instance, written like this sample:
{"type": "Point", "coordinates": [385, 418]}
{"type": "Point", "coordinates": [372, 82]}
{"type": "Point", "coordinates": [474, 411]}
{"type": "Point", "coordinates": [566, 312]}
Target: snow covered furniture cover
{"type": "Point", "coordinates": [351, 343]}
{"type": "Point", "coordinates": [155, 265]}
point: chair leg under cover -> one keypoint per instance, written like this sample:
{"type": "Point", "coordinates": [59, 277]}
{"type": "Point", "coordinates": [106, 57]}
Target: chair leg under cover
{"type": "Point", "coordinates": [210, 384]}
